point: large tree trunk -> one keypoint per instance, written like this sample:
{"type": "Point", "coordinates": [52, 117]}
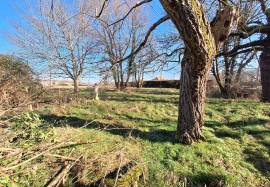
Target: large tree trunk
{"type": "Point", "coordinates": [192, 99]}
{"type": "Point", "coordinates": [201, 40]}
{"type": "Point", "coordinates": [265, 74]}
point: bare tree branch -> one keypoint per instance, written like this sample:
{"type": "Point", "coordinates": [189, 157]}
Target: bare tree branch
{"type": "Point", "coordinates": [102, 8]}
{"type": "Point", "coordinates": [257, 44]}
{"type": "Point", "coordinates": [130, 10]}
{"type": "Point", "coordinates": [151, 29]}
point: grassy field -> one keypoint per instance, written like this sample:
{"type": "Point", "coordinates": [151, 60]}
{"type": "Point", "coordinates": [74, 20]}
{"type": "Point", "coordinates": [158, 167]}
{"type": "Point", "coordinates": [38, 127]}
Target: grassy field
{"type": "Point", "coordinates": [138, 126]}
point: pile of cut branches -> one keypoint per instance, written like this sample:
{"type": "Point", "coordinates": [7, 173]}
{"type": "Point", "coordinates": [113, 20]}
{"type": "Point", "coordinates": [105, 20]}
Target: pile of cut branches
{"type": "Point", "coordinates": [31, 156]}
{"type": "Point", "coordinates": [18, 86]}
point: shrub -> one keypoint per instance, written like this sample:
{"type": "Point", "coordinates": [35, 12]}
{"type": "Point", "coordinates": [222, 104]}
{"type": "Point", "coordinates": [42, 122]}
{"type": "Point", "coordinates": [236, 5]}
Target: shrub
{"type": "Point", "coordinates": [31, 129]}
{"type": "Point", "coordinates": [18, 87]}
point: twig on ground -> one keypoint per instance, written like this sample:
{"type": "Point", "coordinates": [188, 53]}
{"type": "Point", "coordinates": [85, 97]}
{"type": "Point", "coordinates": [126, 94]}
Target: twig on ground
{"type": "Point", "coordinates": [119, 168]}
{"type": "Point", "coordinates": [58, 146]}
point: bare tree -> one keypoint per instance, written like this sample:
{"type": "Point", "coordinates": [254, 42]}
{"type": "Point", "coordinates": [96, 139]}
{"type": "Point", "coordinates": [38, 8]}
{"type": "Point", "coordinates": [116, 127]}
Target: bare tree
{"type": "Point", "coordinates": [142, 64]}
{"type": "Point", "coordinates": [62, 37]}
{"type": "Point", "coordinates": [119, 39]}
{"type": "Point", "coordinates": [227, 69]}
{"type": "Point", "coordinates": [254, 29]}
{"type": "Point", "coordinates": [202, 40]}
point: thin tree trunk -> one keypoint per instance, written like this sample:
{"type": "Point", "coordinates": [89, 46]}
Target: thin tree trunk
{"type": "Point", "coordinates": [76, 82]}
{"type": "Point", "coordinates": [227, 82]}
{"type": "Point", "coordinates": [227, 91]}
{"type": "Point", "coordinates": [116, 77]}
{"type": "Point", "coordinates": [96, 88]}
{"type": "Point", "coordinates": [121, 77]}
{"type": "Point", "coordinates": [141, 80]}
{"type": "Point", "coordinates": [115, 82]}
{"type": "Point", "coordinates": [215, 71]}
{"type": "Point", "coordinates": [265, 74]}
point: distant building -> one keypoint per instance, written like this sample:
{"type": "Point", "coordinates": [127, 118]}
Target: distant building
{"type": "Point", "coordinates": [159, 78]}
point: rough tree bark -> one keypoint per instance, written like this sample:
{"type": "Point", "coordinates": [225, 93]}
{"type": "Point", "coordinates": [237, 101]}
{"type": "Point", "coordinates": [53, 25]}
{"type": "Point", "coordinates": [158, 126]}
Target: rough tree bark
{"type": "Point", "coordinates": [202, 40]}
{"type": "Point", "coordinates": [227, 89]}
{"type": "Point", "coordinates": [264, 59]}
{"type": "Point", "coordinates": [265, 73]}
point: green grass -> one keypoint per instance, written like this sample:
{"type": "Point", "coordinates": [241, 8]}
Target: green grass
{"type": "Point", "coordinates": [142, 124]}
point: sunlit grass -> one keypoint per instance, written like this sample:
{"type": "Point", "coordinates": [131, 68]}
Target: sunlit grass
{"type": "Point", "coordinates": [142, 122]}
{"type": "Point", "coordinates": [232, 129]}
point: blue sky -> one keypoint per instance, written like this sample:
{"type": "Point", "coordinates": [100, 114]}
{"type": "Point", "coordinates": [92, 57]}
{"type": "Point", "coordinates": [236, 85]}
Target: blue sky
{"type": "Point", "coordinates": [9, 14]}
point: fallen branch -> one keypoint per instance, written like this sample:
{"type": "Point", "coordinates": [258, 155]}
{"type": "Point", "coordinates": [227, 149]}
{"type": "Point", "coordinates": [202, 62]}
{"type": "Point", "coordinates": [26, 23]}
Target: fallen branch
{"type": "Point", "coordinates": [62, 157]}
{"type": "Point", "coordinates": [60, 175]}
{"type": "Point", "coordinates": [58, 146]}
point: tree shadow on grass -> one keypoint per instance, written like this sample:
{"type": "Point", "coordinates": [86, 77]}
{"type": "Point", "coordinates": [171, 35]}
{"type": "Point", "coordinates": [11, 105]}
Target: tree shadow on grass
{"type": "Point", "coordinates": [153, 121]}
{"type": "Point", "coordinates": [237, 124]}
{"type": "Point", "coordinates": [223, 133]}
{"type": "Point", "coordinates": [142, 99]}
{"type": "Point", "coordinates": [156, 92]}
{"type": "Point", "coordinates": [237, 129]}
{"type": "Point", "coordinates": [266, 144]}
{"type": "Point", "coordinates": [154, 135]}
{"type": "Point", "coordinates": [206, 179]}
{"type": "Point", "coordinates": [247, 122]}
{"type": "Point", "coordinates": [259, 161]}
{"type": "Point", "coordinates": [137, 98]}
{"type": "Point", "coordinates": [145, 91]}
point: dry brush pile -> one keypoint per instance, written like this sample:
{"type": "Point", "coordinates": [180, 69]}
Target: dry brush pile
{"type": "Point", "coordinates": [18, 86]}
{"type": "Point", "coordinates": [33, 154]}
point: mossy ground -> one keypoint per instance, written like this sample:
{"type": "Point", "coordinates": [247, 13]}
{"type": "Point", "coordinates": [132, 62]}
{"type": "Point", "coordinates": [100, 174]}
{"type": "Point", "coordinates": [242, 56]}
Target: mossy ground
{"type": "Point", "coordinates": [142, 123]}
